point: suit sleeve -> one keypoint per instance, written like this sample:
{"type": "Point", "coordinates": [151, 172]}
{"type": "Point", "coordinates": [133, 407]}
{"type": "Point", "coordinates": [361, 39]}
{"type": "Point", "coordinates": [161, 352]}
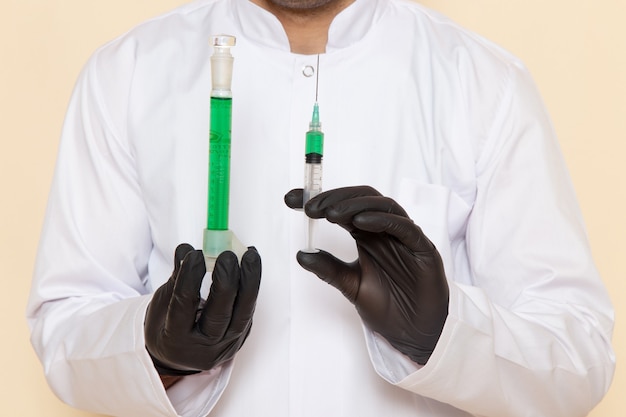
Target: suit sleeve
{"type": "Point", "coordinates": [531, 332]}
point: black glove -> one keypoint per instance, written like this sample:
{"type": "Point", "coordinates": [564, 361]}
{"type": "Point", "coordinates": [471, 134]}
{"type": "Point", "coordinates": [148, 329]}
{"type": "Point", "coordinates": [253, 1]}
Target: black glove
{"type": "Point", "coordinates": [397, 284]}
{"type": "Point", "coordinates": [184, 338]}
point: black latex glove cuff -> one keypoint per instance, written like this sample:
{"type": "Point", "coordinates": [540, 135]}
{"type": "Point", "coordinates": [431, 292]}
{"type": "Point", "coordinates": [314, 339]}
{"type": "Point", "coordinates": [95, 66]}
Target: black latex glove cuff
{"type": "Point", "coordinates": [164, 370]}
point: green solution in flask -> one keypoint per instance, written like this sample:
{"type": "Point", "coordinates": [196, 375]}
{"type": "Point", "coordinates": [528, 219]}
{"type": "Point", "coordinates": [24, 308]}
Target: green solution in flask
{"type": "Point", "coordinates": [219, 163]}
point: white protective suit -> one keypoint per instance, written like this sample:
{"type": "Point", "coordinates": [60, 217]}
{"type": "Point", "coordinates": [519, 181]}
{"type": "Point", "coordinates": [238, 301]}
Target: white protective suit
{"type": "Point", "coordinates": [443, 121]}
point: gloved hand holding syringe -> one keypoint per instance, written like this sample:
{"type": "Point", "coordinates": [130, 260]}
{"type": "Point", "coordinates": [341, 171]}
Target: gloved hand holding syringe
{"type": "Point", "coordinates": [397, 284]}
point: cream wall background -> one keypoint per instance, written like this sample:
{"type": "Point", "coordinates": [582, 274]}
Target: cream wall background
{"type": "Point", "coordinates": [575, 49]}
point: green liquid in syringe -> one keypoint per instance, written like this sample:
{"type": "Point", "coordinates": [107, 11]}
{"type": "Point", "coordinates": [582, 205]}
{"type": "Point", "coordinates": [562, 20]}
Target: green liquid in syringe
{"type": "Point", "coordinates": [219, 163]}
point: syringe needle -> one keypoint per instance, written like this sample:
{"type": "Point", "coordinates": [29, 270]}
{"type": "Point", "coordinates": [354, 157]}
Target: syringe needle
{"type": "Point", "coordinates": [317, 76]}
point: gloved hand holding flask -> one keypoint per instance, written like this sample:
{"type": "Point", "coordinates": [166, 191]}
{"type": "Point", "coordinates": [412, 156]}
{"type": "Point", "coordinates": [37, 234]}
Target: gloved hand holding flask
{"type": "Point", "coordinates": [397, 284]}
{"type": "Point", "coordinates": [184, 337]}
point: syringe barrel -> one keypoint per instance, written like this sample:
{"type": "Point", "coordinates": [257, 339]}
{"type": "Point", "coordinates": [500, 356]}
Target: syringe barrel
{"type": "Point", "coordinates": [312, 187]}
{"type": "Point", "coordinates": [314, 151]}
{"type": "Point", "coordinates": [312, 181]}
{"type": "Point", "coordinates": [314, 145]}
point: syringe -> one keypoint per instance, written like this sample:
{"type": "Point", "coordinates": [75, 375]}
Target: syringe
{"type": "Point", "coordinates": [314, 152]}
